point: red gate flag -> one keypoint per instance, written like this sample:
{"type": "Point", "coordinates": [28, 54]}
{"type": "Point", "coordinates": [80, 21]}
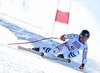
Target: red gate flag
{"type": "Point", "coordinates": [62, 17]}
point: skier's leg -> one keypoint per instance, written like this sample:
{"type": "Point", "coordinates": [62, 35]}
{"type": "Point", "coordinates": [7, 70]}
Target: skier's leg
{"type": "Point", "coordinates": [45, 50]}
{"type": "Point", "coordinates": [73, 54]}
{"type": "Point", "coordinates": [42, 49]}
{"type": "Point", "coordinates": [63, 53]}
{"type": "Point", "coordinates": [59, 51]}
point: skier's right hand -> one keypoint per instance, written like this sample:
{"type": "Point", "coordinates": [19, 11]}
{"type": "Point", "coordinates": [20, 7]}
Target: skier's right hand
{"type": "Point", "coordinates": [62, 38]}
{"type": "Point", "coordinates": [81, 67]}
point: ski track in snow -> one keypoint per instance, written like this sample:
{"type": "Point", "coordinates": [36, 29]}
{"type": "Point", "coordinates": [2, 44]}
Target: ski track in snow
{"type": "Point", "coordinates": [23, 34]}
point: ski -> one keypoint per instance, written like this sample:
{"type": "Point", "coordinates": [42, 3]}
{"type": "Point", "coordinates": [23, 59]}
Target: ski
{"type": "Point", "coordinates": [56, 58]}
{"type": "Point", "coordinates": [30, 50]}
{"type": "Point", "coordinates": [44, 56]}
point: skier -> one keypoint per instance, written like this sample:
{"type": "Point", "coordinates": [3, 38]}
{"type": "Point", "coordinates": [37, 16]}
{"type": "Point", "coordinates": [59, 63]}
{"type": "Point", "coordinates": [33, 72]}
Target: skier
{"type": "Point", "coordinates": [70, 49]}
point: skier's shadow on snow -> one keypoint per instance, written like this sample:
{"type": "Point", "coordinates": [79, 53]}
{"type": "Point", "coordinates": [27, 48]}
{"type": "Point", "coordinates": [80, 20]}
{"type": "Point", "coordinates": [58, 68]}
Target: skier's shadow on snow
{"type": "Point", "coordinates": [19, 32]}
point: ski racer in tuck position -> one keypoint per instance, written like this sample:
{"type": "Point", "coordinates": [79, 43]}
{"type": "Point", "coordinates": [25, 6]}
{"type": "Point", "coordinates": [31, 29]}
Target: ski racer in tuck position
{"type": "Point", "coordinates": [69, 49]}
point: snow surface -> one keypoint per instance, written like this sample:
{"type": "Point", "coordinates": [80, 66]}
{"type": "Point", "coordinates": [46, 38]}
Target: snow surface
{"type": "Point", "coordinates": [15, 27]}
{"type": "Point", "coordinates": [13, 60]}
{"type": "Point", "coordinates": [16, 61]}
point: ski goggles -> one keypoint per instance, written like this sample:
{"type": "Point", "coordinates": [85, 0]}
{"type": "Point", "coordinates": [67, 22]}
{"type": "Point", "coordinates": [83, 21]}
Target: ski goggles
{"type": "Point", "coordinates": [84, 38]}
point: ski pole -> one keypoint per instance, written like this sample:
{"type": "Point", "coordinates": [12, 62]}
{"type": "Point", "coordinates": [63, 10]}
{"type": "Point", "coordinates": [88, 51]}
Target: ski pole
{"type": "Point", "coordinates": [32, 41]}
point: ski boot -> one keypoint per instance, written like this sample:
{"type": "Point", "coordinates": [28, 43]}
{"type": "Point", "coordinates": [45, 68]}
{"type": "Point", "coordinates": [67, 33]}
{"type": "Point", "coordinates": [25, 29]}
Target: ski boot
{"type": "Point", "coordinates": [62, 56]}
{"type": "Point", "coordinates": [36, 49]}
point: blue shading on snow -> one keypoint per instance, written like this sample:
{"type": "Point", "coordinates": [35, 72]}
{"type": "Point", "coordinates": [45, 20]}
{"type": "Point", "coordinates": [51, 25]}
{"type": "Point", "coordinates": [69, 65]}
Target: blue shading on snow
{"type": "Point", "coordinates": [19, 32]}
{"type": "Point", "coordinates": [23, 34]}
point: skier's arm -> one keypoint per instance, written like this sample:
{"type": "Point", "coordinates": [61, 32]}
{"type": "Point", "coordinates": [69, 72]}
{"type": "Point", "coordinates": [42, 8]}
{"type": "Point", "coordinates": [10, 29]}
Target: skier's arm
{"type": "Point", "coordinates": [68, 36]}
{"type": "Point", "coordinates": [84, 58]}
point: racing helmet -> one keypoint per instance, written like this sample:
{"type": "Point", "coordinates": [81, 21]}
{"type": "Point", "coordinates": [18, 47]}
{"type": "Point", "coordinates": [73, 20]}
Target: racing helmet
{"type": "Point", "coordinates": [85, 33]}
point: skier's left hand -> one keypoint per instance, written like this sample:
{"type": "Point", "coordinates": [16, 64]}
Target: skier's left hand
{"type": "Point", "coordinates": [81, 67]}
{"type": "Point", "coordinates": [62, 38]}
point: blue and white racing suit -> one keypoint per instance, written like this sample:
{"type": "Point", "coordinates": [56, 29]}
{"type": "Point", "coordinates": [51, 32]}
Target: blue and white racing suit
{"type": "Point", "coordinates": [70, 48]}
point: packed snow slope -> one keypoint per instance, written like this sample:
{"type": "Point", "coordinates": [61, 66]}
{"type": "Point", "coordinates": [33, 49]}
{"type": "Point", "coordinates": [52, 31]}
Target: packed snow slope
{"type": "Point", "coordinates": [29, 20]}
{"type": "Point", "coordinates": [13, 60]}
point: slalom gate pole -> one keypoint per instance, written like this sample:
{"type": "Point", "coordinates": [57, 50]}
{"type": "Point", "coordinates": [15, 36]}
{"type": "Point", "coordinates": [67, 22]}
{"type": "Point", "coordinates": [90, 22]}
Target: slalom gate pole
{"type": "Point", "coordinates": [32, 41]}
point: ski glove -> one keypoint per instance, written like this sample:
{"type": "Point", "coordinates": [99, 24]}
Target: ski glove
{"type": "Point", "coordinates": [82, 66]}
{"type": "Point", "coordinates": [62, 38]}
